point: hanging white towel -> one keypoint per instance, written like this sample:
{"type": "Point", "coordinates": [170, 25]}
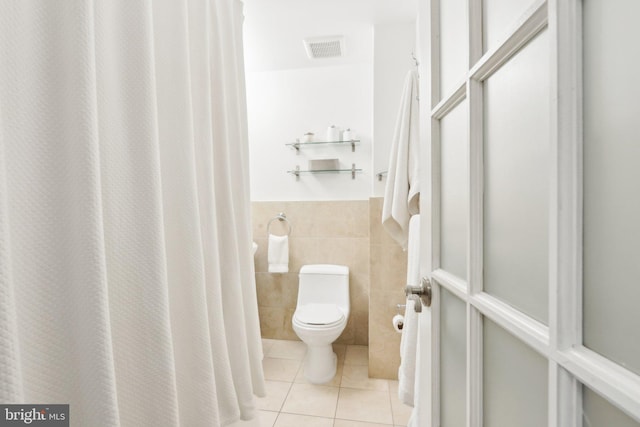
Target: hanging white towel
{"type": "Point", "coordinates": [409, 340]}
{"type": "Point", "coordinates": [402, 191]}
{"type": "Point", "coordinates": [278, 254]}
{"type": "Point", "coordinates": [423, 358]}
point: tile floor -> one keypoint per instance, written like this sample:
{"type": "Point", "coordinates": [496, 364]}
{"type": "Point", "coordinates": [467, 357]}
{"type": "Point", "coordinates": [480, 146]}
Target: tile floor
{"type": "Point", "coordinates": [351, 399]}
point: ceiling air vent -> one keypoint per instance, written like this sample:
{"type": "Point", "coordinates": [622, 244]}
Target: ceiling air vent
{"type": "Point", "coordinates": [324, 47]}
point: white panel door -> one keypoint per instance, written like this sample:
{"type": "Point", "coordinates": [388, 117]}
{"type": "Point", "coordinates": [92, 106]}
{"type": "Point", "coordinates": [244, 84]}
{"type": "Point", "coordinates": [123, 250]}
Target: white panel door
{"type": "Point", "coordinates": [531, 213]}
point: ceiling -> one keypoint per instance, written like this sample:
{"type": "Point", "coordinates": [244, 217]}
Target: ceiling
{"type": "Point", "coordinates": [274, 29]}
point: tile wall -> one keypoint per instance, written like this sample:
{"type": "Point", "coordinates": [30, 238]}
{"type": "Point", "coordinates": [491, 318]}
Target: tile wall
{"type": "Point", "coordinates": [335, 232]}
{"type": "Point", "coordinates": [388, 272]}
{"type": "Point", "coordinates": [326, 232]}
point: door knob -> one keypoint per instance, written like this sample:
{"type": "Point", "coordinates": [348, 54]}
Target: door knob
{"type": "Point", "coordinates": [423, 291]}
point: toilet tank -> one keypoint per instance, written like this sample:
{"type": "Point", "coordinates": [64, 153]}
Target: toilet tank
{"type": "Point", "coordinates": [324, 284]}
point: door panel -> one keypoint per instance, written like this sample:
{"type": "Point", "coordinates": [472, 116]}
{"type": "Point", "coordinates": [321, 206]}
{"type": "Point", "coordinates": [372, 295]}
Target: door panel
{"type": "Point", "coordinates": [611, 180]}
{"type": "Point", "coordinates": [600, 413]}
{"type": "Point", "coordinates": [515, 381]}
{"type": "Point", "coordinates": [498, 17]}
{"type": "Point", "coordinates": [453, 356]}
{"type": "Point", "coordinates": [453, 44]}
{"type": "Point", "coordinates": [535, 258]}
{"type": "Point", "coordinates": [454, 190]}
{"type": "Point", "coordinates": [516, 174]}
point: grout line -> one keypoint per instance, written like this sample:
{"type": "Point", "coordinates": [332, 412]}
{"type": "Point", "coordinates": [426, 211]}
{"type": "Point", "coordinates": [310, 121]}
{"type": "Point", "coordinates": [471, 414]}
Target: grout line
{"type": "Point", "coordinates": [285, 399]}
{"type": "Point", "coordinates": [335, 412]}
{"type": "Point", "coordinates": [393, 418]}
{"type": "Point", "coordinates": [339, 387]}
{"type": "Point", "coordinates": [298, 372]}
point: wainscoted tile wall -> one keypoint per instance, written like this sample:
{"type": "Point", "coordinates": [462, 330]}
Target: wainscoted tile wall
{"type": "Point", "coordinates": [335, 232]}
{"type": "Point", "coordinates": [388, 272]}
{"type": "Point", "coordinates": [328, 232]}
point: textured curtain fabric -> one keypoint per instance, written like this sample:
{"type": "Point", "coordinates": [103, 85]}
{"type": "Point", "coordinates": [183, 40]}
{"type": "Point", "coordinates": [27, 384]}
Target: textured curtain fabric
{"type": "Point", "coordinates": [126, 274]}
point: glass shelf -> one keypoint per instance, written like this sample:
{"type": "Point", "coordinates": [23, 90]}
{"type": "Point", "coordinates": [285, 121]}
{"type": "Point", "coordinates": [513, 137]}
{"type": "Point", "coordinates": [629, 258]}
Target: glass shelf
{"type": "Point", "coordinates": [297, 145]}
{"type": "Point", "coordinates": [297, 172]}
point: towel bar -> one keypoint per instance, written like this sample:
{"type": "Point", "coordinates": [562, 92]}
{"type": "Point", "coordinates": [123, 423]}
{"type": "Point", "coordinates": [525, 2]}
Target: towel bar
{"type": "Point", "coordinates": [280, 217]}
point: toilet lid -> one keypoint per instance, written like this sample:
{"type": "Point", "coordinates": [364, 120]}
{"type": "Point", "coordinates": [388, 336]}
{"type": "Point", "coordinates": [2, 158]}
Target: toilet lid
{"type": "Point", "coordinates": [319, 314]}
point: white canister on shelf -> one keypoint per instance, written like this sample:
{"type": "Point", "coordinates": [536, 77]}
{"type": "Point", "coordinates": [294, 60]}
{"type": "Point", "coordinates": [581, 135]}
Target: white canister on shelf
{"type": "Point", "coordinates": [333, 134]}
{"type": "Point", "coordinates": [348, 135]}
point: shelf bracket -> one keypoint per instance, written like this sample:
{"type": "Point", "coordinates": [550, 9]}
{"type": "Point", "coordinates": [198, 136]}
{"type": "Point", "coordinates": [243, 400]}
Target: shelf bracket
{"type": "Point", "coordinates": [353, 171]}
{"type": "Point", "coordinates": [297, 173]}
{"type": "Point", "coordinates": [353, 146]}
{"type": "Point", "coordinates": [296, 145]}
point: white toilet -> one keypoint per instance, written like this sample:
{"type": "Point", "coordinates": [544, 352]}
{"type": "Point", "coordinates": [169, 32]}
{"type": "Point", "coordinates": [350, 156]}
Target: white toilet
{"type": "Point", "coordinates": [320, 317]}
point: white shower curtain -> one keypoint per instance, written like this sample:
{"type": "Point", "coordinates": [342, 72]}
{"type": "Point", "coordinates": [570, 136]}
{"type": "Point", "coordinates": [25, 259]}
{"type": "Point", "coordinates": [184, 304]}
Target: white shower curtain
{"type": "Point", "coordinates": [126, 276]}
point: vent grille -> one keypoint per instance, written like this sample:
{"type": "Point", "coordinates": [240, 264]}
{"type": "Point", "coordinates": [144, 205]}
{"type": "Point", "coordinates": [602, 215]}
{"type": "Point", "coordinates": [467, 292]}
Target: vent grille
{"type": "Point", "coordinates": [324, 47]}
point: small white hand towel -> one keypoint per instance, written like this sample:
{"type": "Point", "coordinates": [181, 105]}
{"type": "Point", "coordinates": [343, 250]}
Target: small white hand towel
{"type": "Point", "coordinates": [409, 340]}
{"type": "Point", "coordinates": [278, 254]}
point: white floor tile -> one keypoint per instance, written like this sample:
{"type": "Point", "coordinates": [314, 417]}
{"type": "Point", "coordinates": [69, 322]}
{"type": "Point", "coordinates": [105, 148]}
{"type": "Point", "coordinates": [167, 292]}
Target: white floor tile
{"type": "Point", "coordinates": [276, 395]}
{"type": "Point", "coordinates": [310, 399]}
{"type": "Point", "coordinates": [400, 412]}
{"type": "Point", "coordinates": [364, 405]}
{"type": "Point", "coordinates": [283, 349]}
{"type": "Point", "coordinates": [293, 420]}
{"type": "Point", "coordinates": [280, 369]}
{"type": "Point", "coordinates": [267, 418]}
{"type": "Point", "coordinates": [266, 345]}
{"type": "Point", "coordinates": [256, 422]}
{"type": "Point", "coordinates": [357, 376]}
{"type": "Point", "coordinates": [349, 423]}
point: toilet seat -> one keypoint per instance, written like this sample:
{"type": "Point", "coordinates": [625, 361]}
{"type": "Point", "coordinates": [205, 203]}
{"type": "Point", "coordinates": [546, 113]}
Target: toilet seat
{"type": "Point", "coordinates": [319, 315]}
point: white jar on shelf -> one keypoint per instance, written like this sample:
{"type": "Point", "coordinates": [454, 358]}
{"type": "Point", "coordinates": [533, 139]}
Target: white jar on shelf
{"type": "Point", "coordinates": [348, 135]}
{"type": "Point", "coordinates": [333, 134]}
{"type": "Point", "coordinates": [308, 137]}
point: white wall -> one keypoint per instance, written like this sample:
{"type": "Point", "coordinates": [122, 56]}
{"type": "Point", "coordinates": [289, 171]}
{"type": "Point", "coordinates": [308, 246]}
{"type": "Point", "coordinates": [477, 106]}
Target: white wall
{"type": "Point", "coordinates": [393, 45]}
{"type": "Point", "coordinates": [285, 104]}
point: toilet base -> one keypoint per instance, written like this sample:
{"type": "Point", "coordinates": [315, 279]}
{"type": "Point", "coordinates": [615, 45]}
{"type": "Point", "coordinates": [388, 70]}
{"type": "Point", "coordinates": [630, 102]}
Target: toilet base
{"type": "Point", "coordinates": [320, 364]}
